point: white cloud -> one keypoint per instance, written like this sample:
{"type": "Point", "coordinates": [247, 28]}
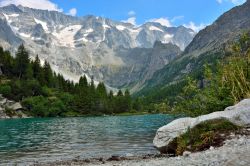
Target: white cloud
{"type": "Point", "coordinates": [131, 13]}
{"type": "Point", "coordinates": [73, 12]}
{"type": "Point", "coordinates": [235, 2]}
{"type": "Point", "coordinates": [195, 27]}
{"type": "Point", "coordinates": [131, 20]}
{"type": "Point", "coordinates": [36, 4]}
{"type": "Point", "coordinates": [163, 21]}
{"type": "Point", "coordinates": [177, 18]}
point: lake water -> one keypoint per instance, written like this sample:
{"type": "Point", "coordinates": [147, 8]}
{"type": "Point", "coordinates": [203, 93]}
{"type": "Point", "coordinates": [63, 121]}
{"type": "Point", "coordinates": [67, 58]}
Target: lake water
{"type": "Point", "coordinates": [51, 139]}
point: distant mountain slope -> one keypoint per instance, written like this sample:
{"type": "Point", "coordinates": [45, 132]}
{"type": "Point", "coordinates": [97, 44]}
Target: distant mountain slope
{"type": "Point", "coordinates": [95, 46]}
{"type": "Point", "coordinates": [206, 47]}
{"type": "Point", "coordinates": [227, 27]}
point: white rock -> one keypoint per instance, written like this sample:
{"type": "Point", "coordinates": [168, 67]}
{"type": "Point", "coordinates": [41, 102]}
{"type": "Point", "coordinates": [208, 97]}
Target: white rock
{"type": "Point", "coordinates": [12, 105]}
{"type": "Point", "coordinates": [186, 153]}
{"type": "Point", "coordinates": [15, 106]}
{"type": "Point", "coordinates": [238, 114]}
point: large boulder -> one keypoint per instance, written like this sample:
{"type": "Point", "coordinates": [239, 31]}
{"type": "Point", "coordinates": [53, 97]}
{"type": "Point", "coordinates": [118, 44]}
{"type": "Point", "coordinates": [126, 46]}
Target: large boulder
{"type": "Point", "coordinates": [238, 114]}
{"type": "Point", "coordinates": [15, 107]}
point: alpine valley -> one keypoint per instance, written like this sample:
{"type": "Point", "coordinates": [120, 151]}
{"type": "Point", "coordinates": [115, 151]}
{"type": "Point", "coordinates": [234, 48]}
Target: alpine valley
{"type": "Point", "coordinates": [119, 54]}
{"type": "Point", "coordinates": [94, 91]}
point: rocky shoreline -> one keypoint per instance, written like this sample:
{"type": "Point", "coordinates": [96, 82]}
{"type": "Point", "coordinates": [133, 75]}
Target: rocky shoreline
{"type": "Point", "coordinates": [10, 109]}
{"type": "Point", "coordinates": [234, 152]}
{"type": "Point", "coordinates": [232, 147]}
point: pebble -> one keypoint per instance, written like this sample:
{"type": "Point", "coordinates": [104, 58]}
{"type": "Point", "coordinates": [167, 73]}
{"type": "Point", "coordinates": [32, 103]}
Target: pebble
{"type": "Point", "coordinates": [234, 152]}
{"type": "Point", "coordinates": [225, 155]}
{"type": "Point", "coordinates": [186, 154]}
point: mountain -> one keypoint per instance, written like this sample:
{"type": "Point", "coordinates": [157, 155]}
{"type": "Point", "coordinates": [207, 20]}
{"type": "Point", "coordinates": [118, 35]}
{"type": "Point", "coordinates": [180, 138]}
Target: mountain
{"type": "Point", "coordinates": [115, 52]}
{"type": "Point", "coordinates": [207, 47]}
{"type": "Point", "coordinates": [226, 28]}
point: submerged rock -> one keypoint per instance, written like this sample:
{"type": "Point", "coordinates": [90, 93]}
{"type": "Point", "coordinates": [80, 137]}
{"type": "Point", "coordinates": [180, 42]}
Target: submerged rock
{"type": "Point", "coordinates": [238, 115]}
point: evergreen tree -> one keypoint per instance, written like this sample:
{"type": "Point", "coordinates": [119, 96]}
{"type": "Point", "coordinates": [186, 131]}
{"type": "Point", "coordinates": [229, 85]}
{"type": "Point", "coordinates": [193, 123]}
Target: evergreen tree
{"type": "Point", "coordinates": [29, 72]}
{"type": "Point", "coordinates": [83, 82]}
{"type": "Point", "coordinates": [22, 61]}
{"type": "Point", "coordinates": [101, 90]}
{"type": "Point", "coordinates": [36, 67]}
{"type": "Point", "coordinates": [111, 95]}
{"type": "Point", "coordinates": [127, 100]}
{"type": "Point", "coordinates": [48, 74]}
{"type": "Point", "coordinates": [120, 93]}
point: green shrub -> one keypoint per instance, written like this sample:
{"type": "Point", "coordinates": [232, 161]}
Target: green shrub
{"type": "Point", "coordinates": [202, 136]}
{"type": "Point", "coordinates": [44, 107]}
{"type": "Point", "coordinates": [5, 90]}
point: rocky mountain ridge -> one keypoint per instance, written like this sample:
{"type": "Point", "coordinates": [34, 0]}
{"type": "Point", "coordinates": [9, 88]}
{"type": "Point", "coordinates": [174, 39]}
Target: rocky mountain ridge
{"type": "Point", "coordinates": [89, 45]}
{"type": "Point", "coordinates": [206, 47]}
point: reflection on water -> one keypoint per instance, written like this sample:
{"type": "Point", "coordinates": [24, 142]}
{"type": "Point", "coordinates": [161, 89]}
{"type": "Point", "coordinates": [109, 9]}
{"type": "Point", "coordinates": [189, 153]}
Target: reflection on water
{"type": "Point", "coordinates": [51, 139]}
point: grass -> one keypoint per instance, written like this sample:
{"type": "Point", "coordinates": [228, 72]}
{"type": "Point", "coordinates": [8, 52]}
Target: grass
{"type": "Point", "coordinates": [132, 113]}
{"type": "Point", "coordinates": [203, 136]}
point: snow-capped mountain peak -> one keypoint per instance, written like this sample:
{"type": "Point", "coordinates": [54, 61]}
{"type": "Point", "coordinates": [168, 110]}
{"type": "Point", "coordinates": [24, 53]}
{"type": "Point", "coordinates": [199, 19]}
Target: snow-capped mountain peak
{"type": "Point", "coordinates": [83, 45]}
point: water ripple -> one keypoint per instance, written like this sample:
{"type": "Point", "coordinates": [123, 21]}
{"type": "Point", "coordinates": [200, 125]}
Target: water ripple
{"type": "Point", "coordinates": [29, 140]}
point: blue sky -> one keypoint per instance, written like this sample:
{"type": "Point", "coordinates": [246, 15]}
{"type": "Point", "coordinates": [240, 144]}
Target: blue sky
{"type": "Point", "coordinates": [177, 12]}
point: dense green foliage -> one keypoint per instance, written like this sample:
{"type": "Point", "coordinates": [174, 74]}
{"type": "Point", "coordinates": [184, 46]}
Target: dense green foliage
{"type": "Point", "coordinates": [221, 82]}
{"type": "Point", "coordinates": [217, 82]}
{"type": "Point", "coordinates": [45, 93]}
{"type": "Point", "coordinates": [217, 90]}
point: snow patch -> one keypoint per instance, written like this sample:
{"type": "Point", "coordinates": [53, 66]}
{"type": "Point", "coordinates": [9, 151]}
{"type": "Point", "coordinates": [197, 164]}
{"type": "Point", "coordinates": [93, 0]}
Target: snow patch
{"type": "Point", "coordinates": [136, 31]}
{"type": "Point", "coordinates": [65, 37]}
{"type": "Point", "coordinates": [83, 39]}
{"type": "Point", "coordinates": [105, 26]}
{"type": "Point", "coordinates": [120, 27]}
{"type": "Point", "coordinates": [7, 18]}
{"type": "Point", "coordinates": [168, 38]}
{"type": "Point", "coordinates": [24, 35]}
{"type": "Point", "coordinates": [44, 24]}
{"type": "Point", "coordinates": [89, 30]}
{"type": "Point", "coordinates": [36, 38]}
{"type": "Point", "coordinates": [13, 15]}
{"type": "Point", "coordinates": [154, 28]}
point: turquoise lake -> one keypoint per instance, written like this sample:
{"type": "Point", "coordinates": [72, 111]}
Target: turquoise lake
{"type": "Point", "coordinates": [24, 141]}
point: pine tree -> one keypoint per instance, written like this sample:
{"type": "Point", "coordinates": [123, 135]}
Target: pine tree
{"type": "Point", "coordinates": [36, 67]}
{"type": "Point", "coordinates": [83, 82]}
{"type": "Point", "coordinates": [120, 93]}
{"type": "Point", "coordinates": [22, 61]}
{"type": "Point", "coordinates": [127, 100]}
{"type": "Point", "coordinates": [101, 90]}
{"type": "Point", "coordinates": [29, 72]}
{"type": "Point", "coordinates": [48, 74]}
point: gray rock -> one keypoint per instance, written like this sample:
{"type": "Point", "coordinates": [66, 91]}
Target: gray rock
{"type": "Point", "coordinates": [3, 101]}
{"type": "Point", "coordinates": [14, 106]}
{"type": "Point", "coordinates": [238, 114]}
{"type": "Point", "coordinates": [186, 153]}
